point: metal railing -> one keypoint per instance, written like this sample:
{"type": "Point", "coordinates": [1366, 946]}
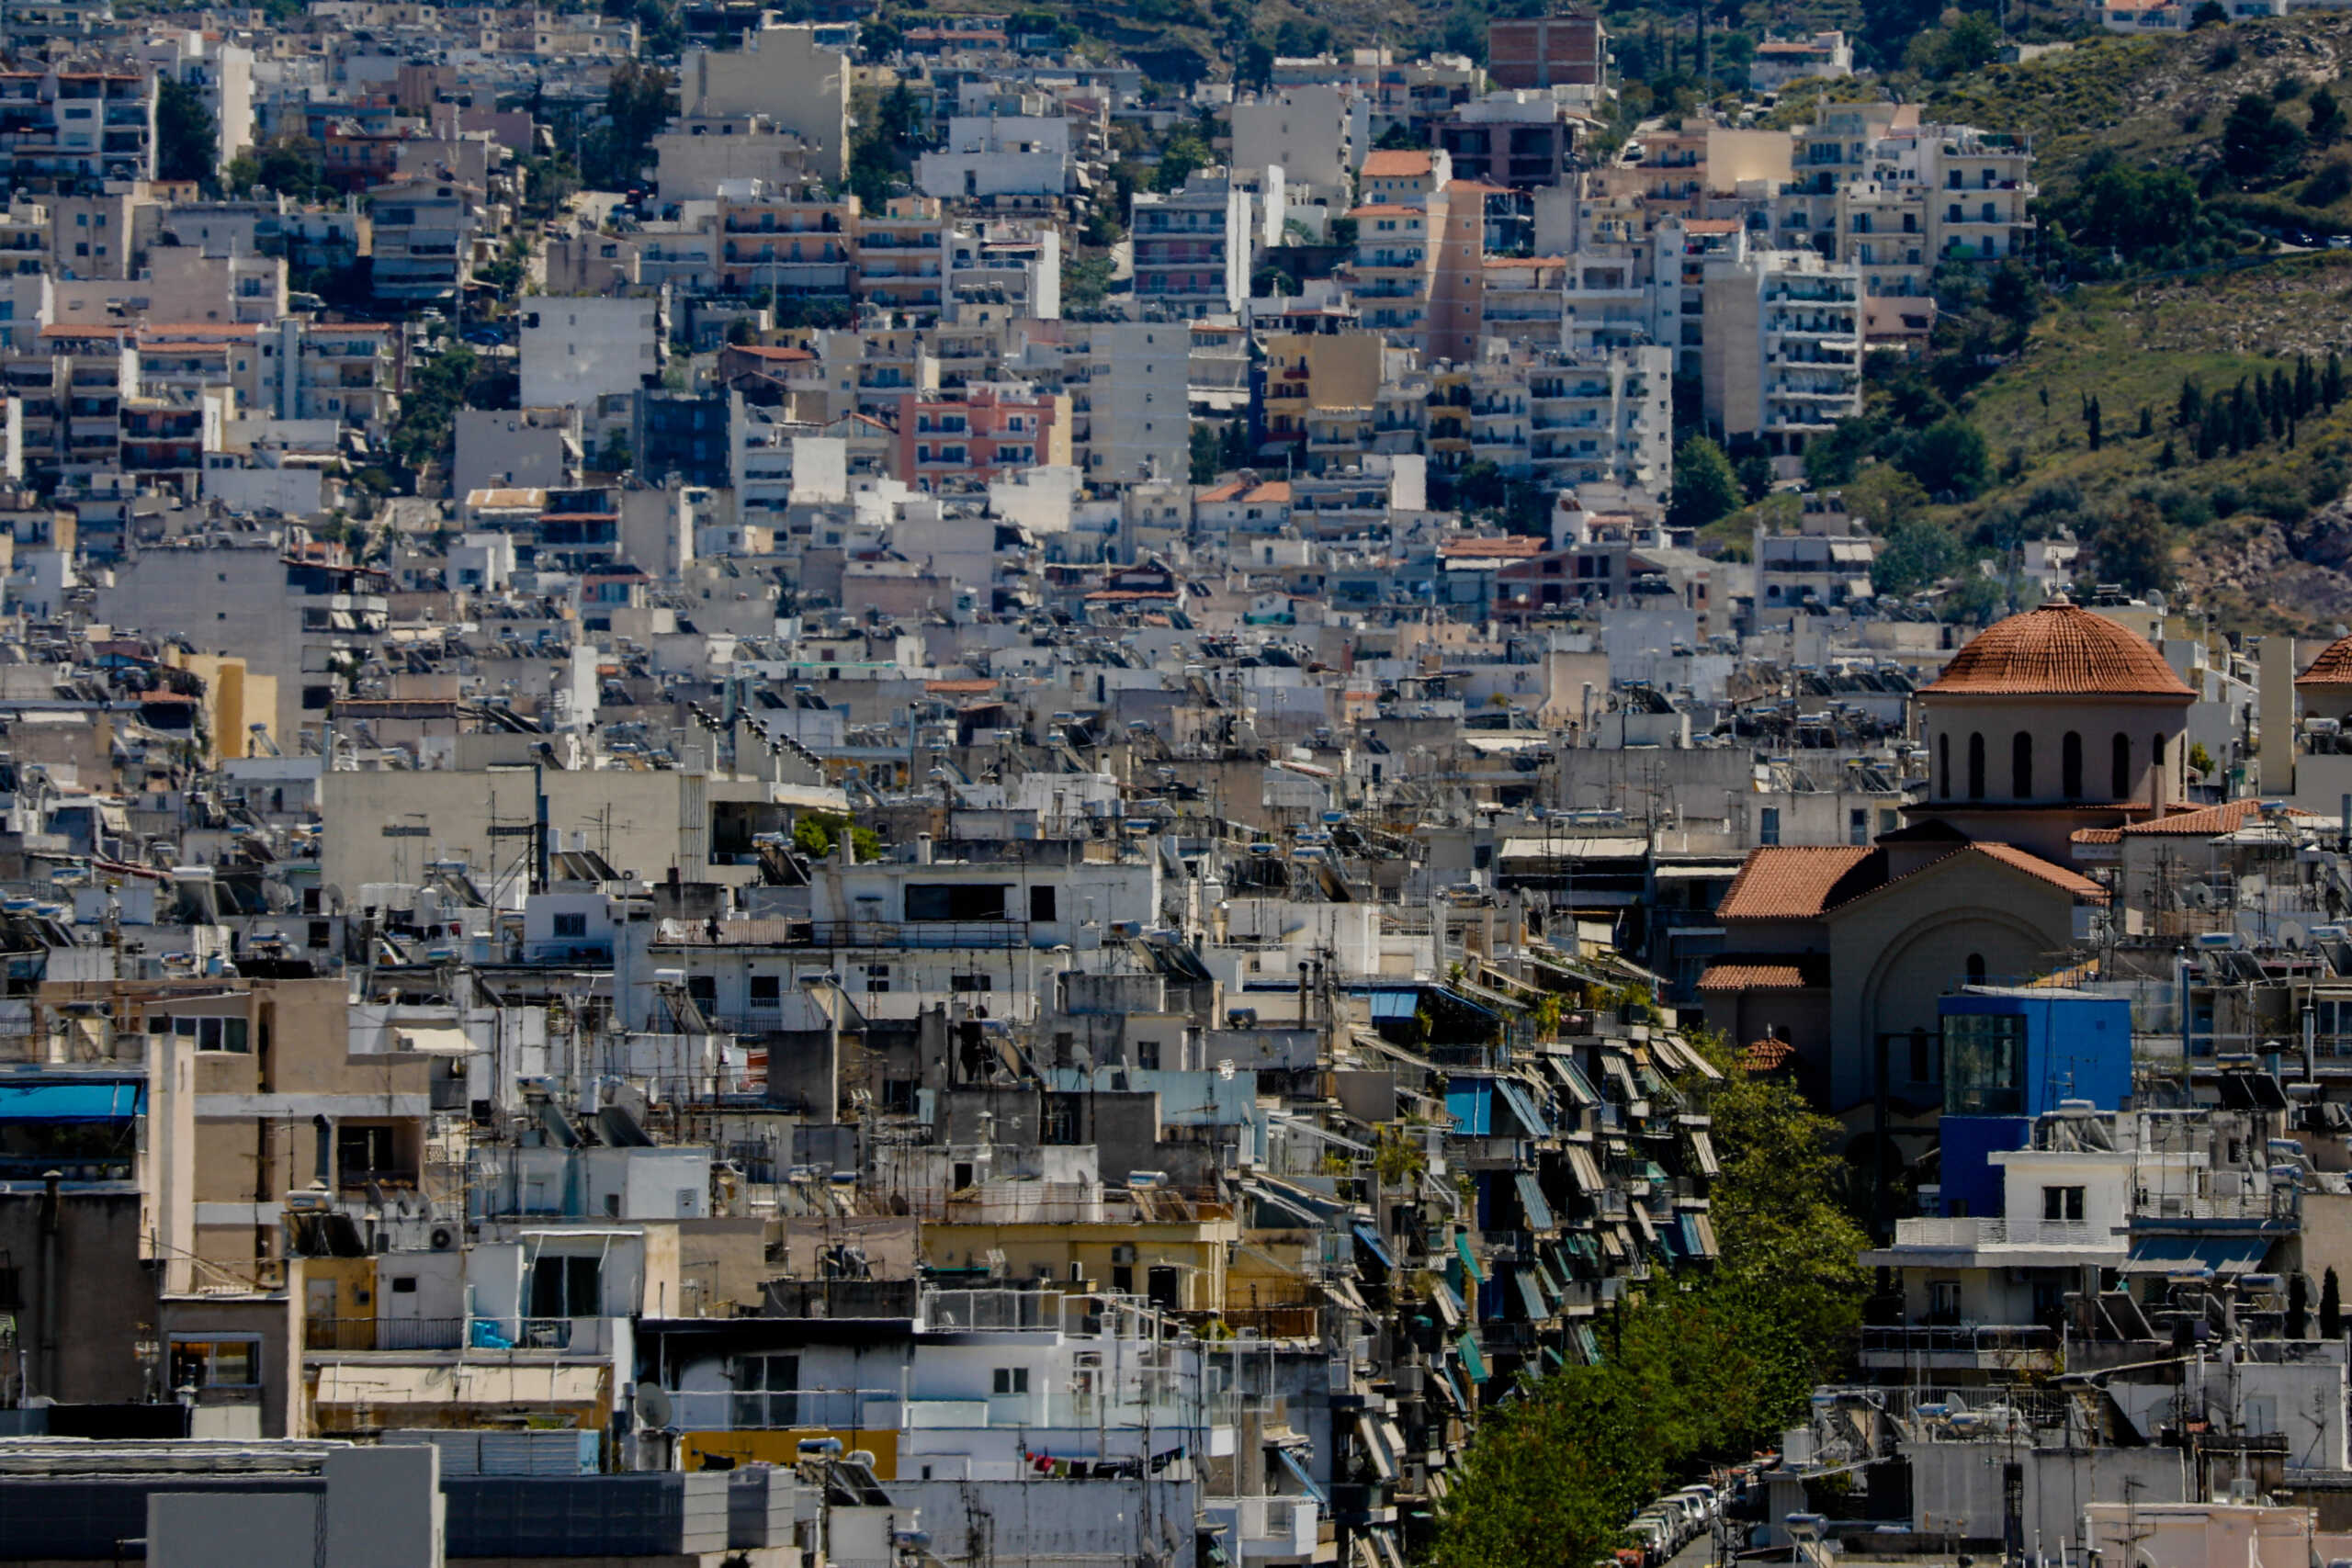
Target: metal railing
{"type": "Point", "coordinates": [1998, 1232]}
{"type": "Point", "coordinates": [1960, 1339]}
{"type": "Point", "coordinates": [383, 1333]}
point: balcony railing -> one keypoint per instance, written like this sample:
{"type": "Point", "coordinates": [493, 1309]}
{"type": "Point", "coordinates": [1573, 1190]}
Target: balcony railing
{"type": "Point", "coordinates": [1996, 1231]}
{"type": "Point", "coordinates": [383, 1333]}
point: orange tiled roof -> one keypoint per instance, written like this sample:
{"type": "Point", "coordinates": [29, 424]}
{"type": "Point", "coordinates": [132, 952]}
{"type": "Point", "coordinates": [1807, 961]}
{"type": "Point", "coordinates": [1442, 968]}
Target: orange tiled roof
{"type": "Point", "coordinates": [2332, 668]}
{"type": "Point", "coordinates": [1516, 546]}
{"type": "Point", "coordinates": [1761, 974]}
{"type": "Point", "coordinates": [959, 688]}
{"type": "Point", "coordinates": [2034, 866]}
{"type": "Point", "coordinates": [1794, 882]}
{"type": "Point", "coordinates": [2212, 820]}
{"type": "Point", "coordinates": [1765, 1056]}
{"type": "Point", "coordinates": [2057, 650]}
{"type": "Point", "coordinates": [1270, 491]}
{"type": "Point", "coordinates": [1395, 162]}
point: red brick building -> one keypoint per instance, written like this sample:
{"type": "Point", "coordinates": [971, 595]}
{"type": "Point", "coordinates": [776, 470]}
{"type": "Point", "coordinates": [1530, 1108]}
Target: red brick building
{"type": "Point", "coordinates": [1548, 51]}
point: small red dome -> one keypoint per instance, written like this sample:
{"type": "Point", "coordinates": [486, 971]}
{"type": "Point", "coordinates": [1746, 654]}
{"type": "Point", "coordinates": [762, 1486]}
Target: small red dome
{"type": "Point", "coordinates": [2058, 649]}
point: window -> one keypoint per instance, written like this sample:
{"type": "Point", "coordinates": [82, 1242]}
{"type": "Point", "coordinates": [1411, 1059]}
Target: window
{"type": "Point", "coordinates": [1943, 1301]}
{"type": "Point", "coordinates": [1977, 767]}
{"type": "Point", "coordinates": [1923, 1057]}
{"type": "Point", "coordinates": [1011, 1380]}
{"type": "Point", "coordinates": [2062, 1203]}
{"type": "Point", "coordinates": [1944, 764]}
{"type": "Point", "coordinates": [767, 991]}
{"type": "Point", "coordinates": [766, 1392]}
{"type": "Point", "coordinates": [2121, 765]}
{"type": "Point", "coordinates": [1148, 1055]}
{"type": "Point", "coordinates": [1041, 904]}
{"type": "Point", "coordinates": [2070, 766]}
{"type": "Point", "coordinates": [1858, 825]}
{"type": "Point", "coordinates": [216, 1363]}
{"type": "Point", "coordinates": [703, 990]}
{"type": "Point", "coordinates": [209, 1033]}
{"type": "Point", "coordinates": [1983, 1064]}
{"type": "Point", "coordinates": [2021, 766]}
{"type": "Point", "coordinates": [363, 1155]}
{"type": "Point", "coordinates": [567, 1287]}
{"type": "Point", "coordinates": [955, 901]}
{"type": "Point", "coordinates": [970, 983]}
{"type": "Point", "coordinates": [571, 925]}
{"type": "Point", "coordinates": [1768, 825]}
{"type": "Point", "coordinates": [2156, 760]}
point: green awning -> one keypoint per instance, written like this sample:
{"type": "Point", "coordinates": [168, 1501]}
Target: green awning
{"type": "Point", "coordinates": [1473, 1361]}
{"type": "Point", "coordinates": [1470, 1264]}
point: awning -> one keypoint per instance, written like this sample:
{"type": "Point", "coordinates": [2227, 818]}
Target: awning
{"type": "Point", "coordinates": [1699, 1236]}
{"type": "Point", "coordinates": [1388, 1544]}
{"type": "Point", "coordinates": [436, 1042]}
{"type": "Point", "coordinates": [1470, 1264]}
{"type": "Point", "coordinates": [1298, 1469]}
{"type": "Point", "coordinates": [1449, 1305]}
{"type": "Point", "coordinates": [1523, 1105]}
{"type": "Point", "coordinates": [1371, 1244]}
{"type": "Point", "coordinates": [1343, 1290]}
{"type": "Point", "coordinates": [1376, 1448]}
{"type": "Point", "coordinates": [1584, 1171]}
{"type": "Point", "coordinates": [1473, 1361]}
{"type": "Point", "coordinates": [1643, 1223]}
{"type": "Point", "coordinates": [1572, 1079]}
{"type": "Point", "coordinates": [2196, 1254]}
{"type": "Point", "coordinates": [1703, 1151]}
{"type": "Point", "coordinates": [1529, 1296]}
{"type": "Point", "coordinates": [1531, 1198]}
{"type": "Point", "coordinates": [111, 1099]}
{"type": "Point", "coordinates": [1580, 1335]}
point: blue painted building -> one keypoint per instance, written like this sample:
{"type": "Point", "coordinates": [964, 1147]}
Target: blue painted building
{"type": "Point", "coordinates": [2011, 1055]}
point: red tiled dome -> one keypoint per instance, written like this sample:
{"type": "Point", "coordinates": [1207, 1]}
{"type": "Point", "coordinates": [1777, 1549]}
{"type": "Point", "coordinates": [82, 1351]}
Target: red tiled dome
{"type": "Point", "coordinates": [2332, 668]}
{"type": "Point", "coordinates": [2057, 650]}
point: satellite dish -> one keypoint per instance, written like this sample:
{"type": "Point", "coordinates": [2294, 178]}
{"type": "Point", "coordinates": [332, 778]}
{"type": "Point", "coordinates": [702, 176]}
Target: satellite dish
{"type": "Point", "coordinates": [653, 1405]}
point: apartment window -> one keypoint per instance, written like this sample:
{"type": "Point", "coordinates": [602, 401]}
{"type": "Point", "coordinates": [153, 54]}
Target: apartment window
{"type": "Point", "coordinates": [1041, 903]}
{"type": "Point", "coordinates": [2061, 1203]}
{"type": "Point", "coordinates": [767, 991]}
{"type": "Point", "coordinates": [1010, 1379]}
{"type": "Point", "coordinates": [969, 983]}
{"type": "Point", "coordinates": [209, 1033]}
{"type": "Point", "coordinates": [567, 1287]}
{"type": "Point", "coordinates": [1148, 1055]}
{"type": "Point", "coordinates": [955, 901]}
{"type": "Point", "coordinates": [215, 1362]}
{"type": "Point", "coordinates": [1943, 1301]}
{"type": "Point", "coordinates": [1858, 825]}
{"type": "Point", "coordinates": [766, 1392]}
{"type": "Point", "coordinates": [1768, 827]}
{"type": "Point", "coordinates": [1983, 1064]}
{"type": "Point", "coordinates": [571, 925]}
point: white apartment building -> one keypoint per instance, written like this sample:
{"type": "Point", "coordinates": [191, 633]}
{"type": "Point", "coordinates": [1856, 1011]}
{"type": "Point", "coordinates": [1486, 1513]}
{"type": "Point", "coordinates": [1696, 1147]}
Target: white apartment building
{"type": "Point", "coordinates": [1782, 360]}
{"type": "Point", "coordinates": [1136, 379]}
{"type": "Point", "coordinates": [992, 155]}
{"type": "Point", "coordinates": [1193, 247]}
{"type": "Point", "coordinates": [783, 75]}
{"type": "Point", "coordinates": [1311, 131]}
{"type": "Point", "coordinates": [578, 352]}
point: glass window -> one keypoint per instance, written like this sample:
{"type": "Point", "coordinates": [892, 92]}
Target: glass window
{"type": "Point", "coordinates": [213, 1033]}
{"type": "Point", "coordinates": [1983, 1064]}
{"type": "Point", "coordinates": [216, 1363]}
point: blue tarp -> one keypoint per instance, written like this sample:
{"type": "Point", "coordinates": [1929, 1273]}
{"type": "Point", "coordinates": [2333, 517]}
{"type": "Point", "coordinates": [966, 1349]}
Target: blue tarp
{"type": "Point", "coordinates": [1531, 1198]}
{"type": "Point", "coordinates": [111, 1099]}
{"type": "Point", "coordinates": [1371, 1244]}
{"type": "Point", "coordinates": [1471, 1103]}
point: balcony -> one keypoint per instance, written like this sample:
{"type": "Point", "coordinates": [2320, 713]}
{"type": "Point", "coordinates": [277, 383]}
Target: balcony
{"type": "Point", "coordinates": [1265, 1527]}
{"type": "Point", "coordinates": [366, 1333]}
{"type": "Point", "coordinates": [2012, 1348]}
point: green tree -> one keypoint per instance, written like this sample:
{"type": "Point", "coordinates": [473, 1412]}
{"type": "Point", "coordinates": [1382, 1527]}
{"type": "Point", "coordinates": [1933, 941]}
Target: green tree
{"type": "Point", "coordinates": [2209, 14]}
{"type": "Point", "coordinates": [1204, 454]}
{"type": "Point", "coordinates": [188, 139]}
{"type": "Point", "coordinates": [2325, 126]}
{"type": "Point", "coordinates": [292, 167]}
{"type": "Point", "coordinates": [1705, 485]}
{"type": "Point", "coordinates": [2132, 548]}
{"type": "Point", "coordinates": [2299, 1306]}
{"type": "Point", "coordinates": [1948, 458]}
{"type": "Point", "coordinates": [2258, 147]}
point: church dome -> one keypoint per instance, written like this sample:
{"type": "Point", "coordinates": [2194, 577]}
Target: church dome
{"type": "Point", "coordinates": [2057, 650]}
